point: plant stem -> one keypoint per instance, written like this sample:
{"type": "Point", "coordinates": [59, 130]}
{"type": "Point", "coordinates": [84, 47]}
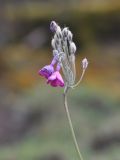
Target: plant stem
{"type": "Point", "coordinates": [71, 125]}
{"type": "Point", "coordinates": [81, 77]}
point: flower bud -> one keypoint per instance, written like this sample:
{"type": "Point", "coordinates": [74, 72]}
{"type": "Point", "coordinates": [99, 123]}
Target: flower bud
{"type": "Point", "coordinates": [58, 32]}
{"type": "Point", "coordinates": [70, 36]}
{"type": "Point", "coordinates": [53, 43]}
{"type": "Point", "coordinates": [72, 48]}
{"type": "Point", "coordinates": [55, 53]}
{"type": "Point", "coordinates": [62, 56]}
{"type": "Point", "coordinates": [57, 40]}
{"type": "Point", "coordinates": [84, 63]}
{"type": "Point", "coordinates": [53, 26]}
{"type": "Point", "coordinates": [65, 32]}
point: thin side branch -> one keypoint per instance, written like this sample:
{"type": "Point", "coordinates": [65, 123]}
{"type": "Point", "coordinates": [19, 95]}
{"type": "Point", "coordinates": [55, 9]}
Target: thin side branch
{"type": "Point", "coordinates": [81, 77]}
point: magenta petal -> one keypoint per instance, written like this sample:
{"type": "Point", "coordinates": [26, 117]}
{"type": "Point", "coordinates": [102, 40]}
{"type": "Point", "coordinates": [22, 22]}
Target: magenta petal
{"type": "Point", "coordinates": [54, 84]}
{"type": "Point", "coordinates": [46, 71]}
{"type": "Point", "coordinates": [60, 83]}
{"type": "Point", "coordinates": [56, 80]}
{"type": "Point", "coordinates": [52, 77]}
{"type": "Point", "coordinates": [59, 77]}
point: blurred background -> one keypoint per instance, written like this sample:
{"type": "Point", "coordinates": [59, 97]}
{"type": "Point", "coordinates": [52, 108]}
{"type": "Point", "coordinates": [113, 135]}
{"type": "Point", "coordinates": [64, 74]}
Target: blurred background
{"type": "Point", "coordinates": [33, 124]}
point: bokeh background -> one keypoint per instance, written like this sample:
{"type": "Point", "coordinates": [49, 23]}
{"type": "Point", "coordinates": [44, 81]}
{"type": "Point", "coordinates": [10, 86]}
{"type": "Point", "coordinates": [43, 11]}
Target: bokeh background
{"type": "Point", "coordinates": [33, 124]}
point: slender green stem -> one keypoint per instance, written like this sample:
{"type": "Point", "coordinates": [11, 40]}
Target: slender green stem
{"type": "Point", "coordinates": [81, 77]}
{"type": "Point", "coordinates": [71, 125]}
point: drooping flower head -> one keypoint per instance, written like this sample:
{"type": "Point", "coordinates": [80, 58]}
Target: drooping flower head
{"type": "Point", "coordinates": [64, 56]}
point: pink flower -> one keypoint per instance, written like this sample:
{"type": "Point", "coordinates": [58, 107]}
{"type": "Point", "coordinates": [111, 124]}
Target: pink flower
{"type": "Point", "coordinates": [46, 71]}
{"type": "Point", "coordinates": [56, 79]}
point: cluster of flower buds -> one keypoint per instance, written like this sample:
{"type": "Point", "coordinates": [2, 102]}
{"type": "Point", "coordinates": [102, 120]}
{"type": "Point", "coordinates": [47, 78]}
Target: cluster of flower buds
{"type": "Point", "coordinates": [64, 56]}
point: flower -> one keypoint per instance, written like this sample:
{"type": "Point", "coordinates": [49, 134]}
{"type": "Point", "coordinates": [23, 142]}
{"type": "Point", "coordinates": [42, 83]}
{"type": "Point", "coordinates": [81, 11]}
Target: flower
{"type": "Point", "coordinates": [46, 71]}
{"type": "Point", "coordinates": [84, 63]}
{"type": "Point", "coordinates": [56, 80]}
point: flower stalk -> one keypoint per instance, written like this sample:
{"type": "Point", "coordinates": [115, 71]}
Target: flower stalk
{"type": "Point", "coordinates": [70, 124]}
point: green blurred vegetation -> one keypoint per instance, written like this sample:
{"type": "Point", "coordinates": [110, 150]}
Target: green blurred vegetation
{"type": "Point", "coordinates": [91, 113]}
{"type": "Point", "coordinates": [33, 124]}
